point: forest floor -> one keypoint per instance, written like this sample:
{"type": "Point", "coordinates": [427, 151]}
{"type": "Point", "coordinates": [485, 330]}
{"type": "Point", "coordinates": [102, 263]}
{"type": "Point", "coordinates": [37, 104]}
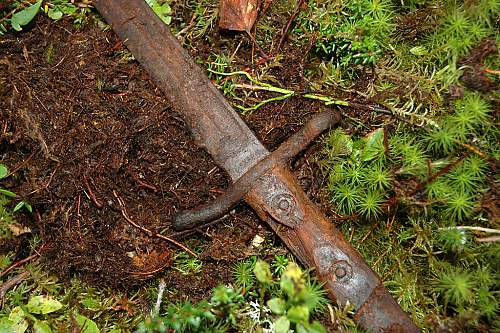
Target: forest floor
{"type": "Point", "coordinates": [83, 128]}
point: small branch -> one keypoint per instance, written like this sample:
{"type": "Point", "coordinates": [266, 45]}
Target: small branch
{"type": "Point", "coordinates": [488, 239]}
{"type": "Point", "coordinates": [146, 230]}
{"type": "Point", "coordinates": [265, 88]}
{"type": "Point", "coordinates": [136, 178]}
{"type": "Point", "coordinates": [161, 290]}
{"type": "Point", "coordinates": [492, 71]}
{"type": "Point", "coordinates": [261, 51]}
{"type": "Point", "coordinates": [22, 165]}
{"type": "Point", "coordinates": [9, 284]}
{"type": "Point", "coordinates": [284, 33]}
{"type": "Point", "coordinates": [466, 227]}
{"type": "Point", "coordinates": [472, 149]}
{"type": "Point", "coordinates": [92, 196]}
{"type": "Point", "coordinates": [21, 262]}
{"type": "Point", "coordinates": [258, 105]}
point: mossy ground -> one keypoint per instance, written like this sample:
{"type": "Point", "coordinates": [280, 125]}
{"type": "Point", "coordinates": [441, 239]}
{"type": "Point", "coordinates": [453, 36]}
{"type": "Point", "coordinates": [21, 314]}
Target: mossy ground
{"type": "Point", "coordinates": [410, 176]}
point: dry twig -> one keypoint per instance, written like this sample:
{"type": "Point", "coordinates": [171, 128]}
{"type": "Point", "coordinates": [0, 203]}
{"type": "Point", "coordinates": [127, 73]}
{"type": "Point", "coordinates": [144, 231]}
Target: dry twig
{"type": "Point", "coordinates": [146, 230]}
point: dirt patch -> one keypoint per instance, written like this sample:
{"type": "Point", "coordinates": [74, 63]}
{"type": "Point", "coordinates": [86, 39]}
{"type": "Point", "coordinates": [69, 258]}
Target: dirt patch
{"type": "Point", "coordinates": [475, 74]}
{"type": "Point", "coordinates": [81, 124]}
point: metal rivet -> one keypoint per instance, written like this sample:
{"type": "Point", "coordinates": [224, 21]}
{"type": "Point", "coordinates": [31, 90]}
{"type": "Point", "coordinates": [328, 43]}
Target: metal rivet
{"type": "Point", "coordinates": [340, 272]}
{"type": "Point", "coordinates": [283, 204]}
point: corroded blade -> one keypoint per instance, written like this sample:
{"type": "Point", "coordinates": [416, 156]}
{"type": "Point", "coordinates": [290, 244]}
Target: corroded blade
{"type": "Point", "coordinates": [276, 196]}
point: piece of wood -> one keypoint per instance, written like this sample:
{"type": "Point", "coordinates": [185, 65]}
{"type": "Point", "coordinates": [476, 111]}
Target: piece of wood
{"type": "Point", "coordinates": [238, 15]}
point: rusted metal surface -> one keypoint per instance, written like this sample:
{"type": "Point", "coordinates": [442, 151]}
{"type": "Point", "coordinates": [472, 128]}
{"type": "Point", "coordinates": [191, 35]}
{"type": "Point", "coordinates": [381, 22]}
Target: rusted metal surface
{"type": "Point", "coordinates": [275, 196]}
{"type": "Point", "coordinates": [219, 207]}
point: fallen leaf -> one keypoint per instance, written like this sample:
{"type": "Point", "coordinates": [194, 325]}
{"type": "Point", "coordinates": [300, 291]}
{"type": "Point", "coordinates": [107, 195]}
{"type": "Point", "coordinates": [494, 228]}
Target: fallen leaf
{"type": "Point", "coordinates": [43, 305]}
{"type": "Point", "coordinates": [17, 229]}
{"type": "Point", "coordinates": [257, 241]}
{"type": "Point", "coordinates": [239, 15]}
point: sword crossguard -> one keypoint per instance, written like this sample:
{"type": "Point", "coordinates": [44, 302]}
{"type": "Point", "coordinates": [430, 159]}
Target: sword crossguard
{"type": "Point", "coordinates": [284, 203]}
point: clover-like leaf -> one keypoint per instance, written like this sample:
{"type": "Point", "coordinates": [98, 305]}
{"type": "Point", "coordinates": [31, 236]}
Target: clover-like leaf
{"type": "Point", "coordinates": [277, 305]}
{"type": "Point", "coordinates": [55, 13]}
{"type": "Point", "coordinates": [298, 314]}
{"type": "Point", "coordinates": [162, 10]}
{"type": "Point", "coordinates": [18, 319]}
{"type": "Point", "coordinates": [86, 325]}
{"type": "Point", "coordinates": [43, 304]}
{"type": "Point", "coordinates": [374, 146]}
{"type": "Point", "coordinates": [282, 325]}
{"type": "Point", "coordinates": [316, 327]}
{"type": "Point", "coordinates": [25, 16]}
{"type": "Point", "coordinates": [41, 327]}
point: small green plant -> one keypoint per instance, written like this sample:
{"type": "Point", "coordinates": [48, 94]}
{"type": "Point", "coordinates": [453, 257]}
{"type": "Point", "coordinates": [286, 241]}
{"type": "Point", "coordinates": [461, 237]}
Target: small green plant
{"type": "Point", "coordinates": [280, 264]}
{"type": "Point", "coordinates": [20, 317]}
{"type": "Point", "coordinates": [7, 219]}
{"type": "Point", "coordinates": [222, 312]}
{"type": "Point", "coordinates": [455, 286]}
{"type": "Point", "coordinates": [187, 264]}
{"type": "Point", "coordinates": [289, 302]}
{"type": "Point", "coordinates": [243, 274]}
{"type": "Point", "coordinates": [25, 16]}
{"type": "Point", "coordinates": [162, 9]}
{"type": "Point", "coordinates": [452, 239]}
{"type": "Point", "coordinates": [294, 308]}
{"type": "Point", "coordinates": [359, 185]}
{"type": "Point", "coordinates": [348, 34]}
{"type": "Point", "coordinates": [37, 315]}
{"type": "Point", "coordinates": [23, 12]}
{"type": "Point", "coordinates": [459, 205]}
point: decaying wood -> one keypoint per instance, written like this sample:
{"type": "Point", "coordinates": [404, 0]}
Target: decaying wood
{"type": "Point", "coordinates": [238, 15]}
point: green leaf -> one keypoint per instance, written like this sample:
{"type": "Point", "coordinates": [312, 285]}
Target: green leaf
{"type": "Point", "coordinates": [4, 171]}
{"type": "Point", "coordinates": [43, 305]}
{"type": "Point", "coordinates": [374, 146]}
{"type": "Point", "coordinates": [6, 325]}
{"type": "Point", "coordinates": [315, 327]}
{"type": "Point", "coordinates": [292, 281]}
{"type": "Point", "coordinates": [263, 272]}
{"type": "Point", "coordinates": [163, 10]}
{"type": "Point", "coordinates": [22, 204]}
{"type": "Point", "coordinates": [91, 303]}
{"type": "Point", "coordinates": [298, 314]}
{"type": "Point", "coordinates": [7, 193]}
{"type": "Point", "coordinates": [277, 305]}
{"type": "Point", "coordinates": [41, 327]}
{"type": "Point", "coordinates": [86, 325]}
{"type": "Point", "coordinates": [418, 50]}
{"type": "Point", "coordinates": [282, 325]}
{"type": "Point", "coordinates": [18, 318]}
{"type": "Point", "coordinates": [28, 206]}
{"type": "Point", "coordinates": [55, 14]}
{"type": "Point", "coordinates": [19, 205]}
{"type": "Point", "coordinates": [25, 16]}
{"type": "Point", "coordinates": [301, 329]}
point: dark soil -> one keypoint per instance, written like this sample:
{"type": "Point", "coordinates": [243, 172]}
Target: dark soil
{"type": "Point", "coordinates": [82, 126]}
{"type": "Point", "coordinates": [475, 77]}
{"type": "Point", "coordinates": [79, 123]}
